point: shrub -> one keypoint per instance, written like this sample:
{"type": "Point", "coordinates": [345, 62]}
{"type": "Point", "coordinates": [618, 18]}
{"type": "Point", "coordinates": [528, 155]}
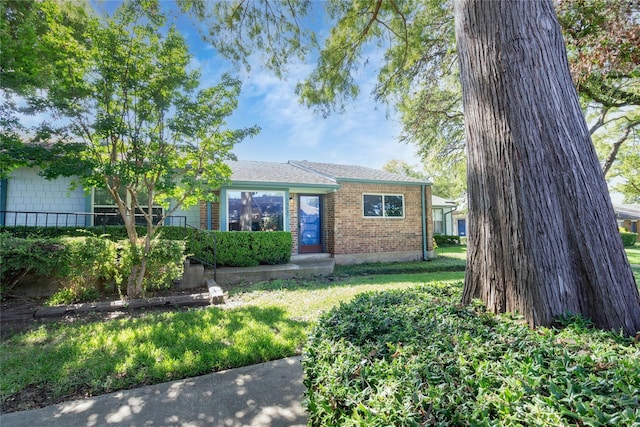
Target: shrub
{"type": "Point", "coordinates": [74, 293]}
{"type": "Point", "coordinates": [165, 262]}
{"type": "Point", "coordinates": [239, 248]}
{"type": "Point", "coordinates": [444, 239]}
{"type": "Point", "coordinates": [629, 239]}
{"type": "Point", "coordinates": [233, 248]}
{"type": "Point", "coordinates": [416, 357]}
{"type": "Point", "coordinates": [80, 263]}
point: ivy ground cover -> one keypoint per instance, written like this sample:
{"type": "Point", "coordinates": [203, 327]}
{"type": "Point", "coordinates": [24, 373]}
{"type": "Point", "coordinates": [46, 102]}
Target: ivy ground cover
{"type": "Point", "coordinates": [416, 357]}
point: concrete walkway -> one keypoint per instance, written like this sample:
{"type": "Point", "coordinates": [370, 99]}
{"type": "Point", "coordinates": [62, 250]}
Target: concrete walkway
{"type": "Point", "coordinates": [264, 395]}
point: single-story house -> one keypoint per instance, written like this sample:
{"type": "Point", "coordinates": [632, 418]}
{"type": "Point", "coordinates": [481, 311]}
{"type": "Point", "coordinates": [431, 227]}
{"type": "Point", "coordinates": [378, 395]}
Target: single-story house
{"type": "Point", "coordinates": [354, 213]}
{"type": "Point", "coordinates": [628, 217]}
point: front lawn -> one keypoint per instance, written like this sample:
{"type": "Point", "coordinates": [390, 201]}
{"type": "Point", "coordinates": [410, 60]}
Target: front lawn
{"type": "Point", "coordinates": [633, 253]}
{"type": "Point", "coordinates": [264, 321]}
{"type": "Point", "coordinates": [58, 362]}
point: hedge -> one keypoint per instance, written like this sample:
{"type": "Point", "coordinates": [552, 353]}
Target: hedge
{"type": "Point", "coordinates": [232, 248]}
{"type": "Point", "coordinates": [82, 264]}
{"type": "Point", "coordinates": [78, 262]}
{"type": "Point", "coordinates": [444, 239]}
{"type": "Point", "coordinates": [629, 239]}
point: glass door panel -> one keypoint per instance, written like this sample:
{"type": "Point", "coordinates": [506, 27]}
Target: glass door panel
{"type": "Point", "coordinates": [310, 231]}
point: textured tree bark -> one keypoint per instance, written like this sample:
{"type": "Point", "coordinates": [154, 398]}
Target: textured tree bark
{"type": "Point", "coordinates": [543, 239]}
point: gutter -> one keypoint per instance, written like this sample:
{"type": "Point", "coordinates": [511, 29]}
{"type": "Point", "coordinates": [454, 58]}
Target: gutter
{"type": "Point", "coordinates": [424, 223]}
{"type": "Point", "coordinates": [3, 199]}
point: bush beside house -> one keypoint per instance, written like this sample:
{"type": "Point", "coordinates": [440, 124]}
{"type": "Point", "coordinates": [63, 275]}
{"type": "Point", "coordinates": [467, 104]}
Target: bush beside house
{"type": "Point", "coordinates": [78, 265]}
{"type": "Point", "coordinates": [223, 248]}
{"type": "Point", "coordinates": [628, 239]}
{"type": "Point", "coordinates": [89, 259]}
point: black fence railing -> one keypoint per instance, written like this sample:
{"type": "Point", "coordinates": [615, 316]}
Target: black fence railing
{"type": "Point", "coordinates": [75, 219]}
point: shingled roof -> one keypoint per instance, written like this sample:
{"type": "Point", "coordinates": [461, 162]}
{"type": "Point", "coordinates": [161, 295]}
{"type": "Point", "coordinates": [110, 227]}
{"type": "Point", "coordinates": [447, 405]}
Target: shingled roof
{"type": "Point", "coordinates": [354, 173]}
{"type": "Point", "coordinates": [311, 174]}
{"type": "Point", "coordinates": [276, 173]}
{"type": "Point", "coordinates": [631, 212]}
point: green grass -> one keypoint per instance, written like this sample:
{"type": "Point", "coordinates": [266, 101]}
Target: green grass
{"type": "Point", "coordinates": [272, 320]}
{"type": "Point", "coordinates": [67, 360]}
{"type": "Point", "coordinates": [459, 251]}
{"type": "Point", "coordinates": [633, 254]}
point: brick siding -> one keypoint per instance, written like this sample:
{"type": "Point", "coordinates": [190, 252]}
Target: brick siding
{"type": "Point", "coordinates": [349, 232]}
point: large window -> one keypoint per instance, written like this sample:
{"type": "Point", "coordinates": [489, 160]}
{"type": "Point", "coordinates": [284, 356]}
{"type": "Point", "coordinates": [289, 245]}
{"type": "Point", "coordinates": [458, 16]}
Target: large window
{"type": "Point", "coordinates": [383, 205]}
{"type": "Point", "coordinates": [107, 212]}
{"type": "Point", "coordinates": [255, 211]}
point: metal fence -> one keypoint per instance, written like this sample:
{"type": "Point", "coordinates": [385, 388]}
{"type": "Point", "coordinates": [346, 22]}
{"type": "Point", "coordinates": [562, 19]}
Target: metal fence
{"type": "Point", "coordinates": [75, 219]}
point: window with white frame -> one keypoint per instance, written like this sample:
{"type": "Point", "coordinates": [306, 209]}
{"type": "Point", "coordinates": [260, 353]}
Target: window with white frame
{"type": "Point", "coordinates": [438, 221]}
{"type": "Point", "coordinates": [255, 210]}
{"type": "Point", "coordinates": [383, 205]}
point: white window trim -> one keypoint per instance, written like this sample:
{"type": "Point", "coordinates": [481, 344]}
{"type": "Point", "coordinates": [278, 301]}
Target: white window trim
{"type": "Point", "coordinates": [384, 215]}
{"type": "Point", "coordinates": [444, 226]}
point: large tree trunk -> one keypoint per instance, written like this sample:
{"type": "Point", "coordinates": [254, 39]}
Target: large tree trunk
{"type": "Point", "coordinates": [543, 239]}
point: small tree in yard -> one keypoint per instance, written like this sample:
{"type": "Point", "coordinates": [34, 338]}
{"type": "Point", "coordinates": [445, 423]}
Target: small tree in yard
{"type": "Point", "coordinates": [149, 135]}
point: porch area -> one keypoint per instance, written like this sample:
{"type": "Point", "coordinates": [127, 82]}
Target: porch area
{"type": "Point", "coordinates": [300, 266]}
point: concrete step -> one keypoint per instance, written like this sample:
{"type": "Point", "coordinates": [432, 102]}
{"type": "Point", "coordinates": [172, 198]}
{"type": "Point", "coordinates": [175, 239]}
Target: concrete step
{"type": "Point", "coordinates": [295, 259]}
{"type": "Point", "coordinates": [299, 267]}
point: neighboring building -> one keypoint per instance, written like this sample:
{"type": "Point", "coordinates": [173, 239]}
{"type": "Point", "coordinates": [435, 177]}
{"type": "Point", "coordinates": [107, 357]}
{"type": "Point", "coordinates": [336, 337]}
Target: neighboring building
{"type": "Point", "coordinates": [354, 213]}
{"type": "Point", "coordinates": [628, 216]}
{"type": "Point", "coordinates": [443, 221]}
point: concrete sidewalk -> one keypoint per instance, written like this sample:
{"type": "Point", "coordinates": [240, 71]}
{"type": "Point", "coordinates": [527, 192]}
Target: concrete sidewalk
{"type": "Point", "coordinates": [264, 395]}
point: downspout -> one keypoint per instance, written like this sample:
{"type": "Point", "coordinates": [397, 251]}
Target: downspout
{"type": "Point", "coordinates": [3, 199]}
{"type": "Point", "coordinates": [424, 223]}
{"type": "Point", "coordinates": [88, 208]}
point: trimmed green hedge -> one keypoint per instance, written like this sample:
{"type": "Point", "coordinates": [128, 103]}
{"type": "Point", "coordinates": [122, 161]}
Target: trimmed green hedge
{"type": "Point", "coordinates": [629, 239]}
{"type": "Point", "coordinates": [232, 248]}
{"type": "Point", "coordinates": [417, 357]}
{"type": "Point", "coordinates": [83, 263]}
{"type": "Point", "coordinates": [445, 240]}
{"type": "Point", "coordinates": [78, 262]}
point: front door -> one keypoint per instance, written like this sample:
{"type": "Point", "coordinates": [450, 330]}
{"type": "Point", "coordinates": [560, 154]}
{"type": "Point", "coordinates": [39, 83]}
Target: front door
{"type": "Point", "coordinates": [310, 231]}
{"type": "Point", "coordinates": [462, 227]}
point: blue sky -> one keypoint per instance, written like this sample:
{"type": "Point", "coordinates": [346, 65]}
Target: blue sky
{"type": "Point", "coordinates": [366, 134]}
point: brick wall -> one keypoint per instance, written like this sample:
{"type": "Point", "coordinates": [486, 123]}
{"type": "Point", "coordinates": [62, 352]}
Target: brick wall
{"type": "Point", "coordinates": [215, 214]}
{"type": "Point", "coordinates": [352, 233]}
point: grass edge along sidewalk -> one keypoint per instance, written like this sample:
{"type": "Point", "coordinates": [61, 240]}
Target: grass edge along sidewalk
{"type": "Point", "coordinates": [58, 362]}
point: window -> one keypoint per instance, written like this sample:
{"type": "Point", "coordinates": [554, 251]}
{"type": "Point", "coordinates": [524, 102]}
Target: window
{"type": "Point", "coordinates": [383, 205]}
{"type": "Point", "coordinates": [438, 221]}
{"type": "Point", "coordinates": [255, 211]}
{"type": "Point", "coordinates": [103, 204]}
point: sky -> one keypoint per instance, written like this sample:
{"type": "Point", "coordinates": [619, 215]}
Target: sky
{"type": "Point", "coordinates": [366, 134]}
